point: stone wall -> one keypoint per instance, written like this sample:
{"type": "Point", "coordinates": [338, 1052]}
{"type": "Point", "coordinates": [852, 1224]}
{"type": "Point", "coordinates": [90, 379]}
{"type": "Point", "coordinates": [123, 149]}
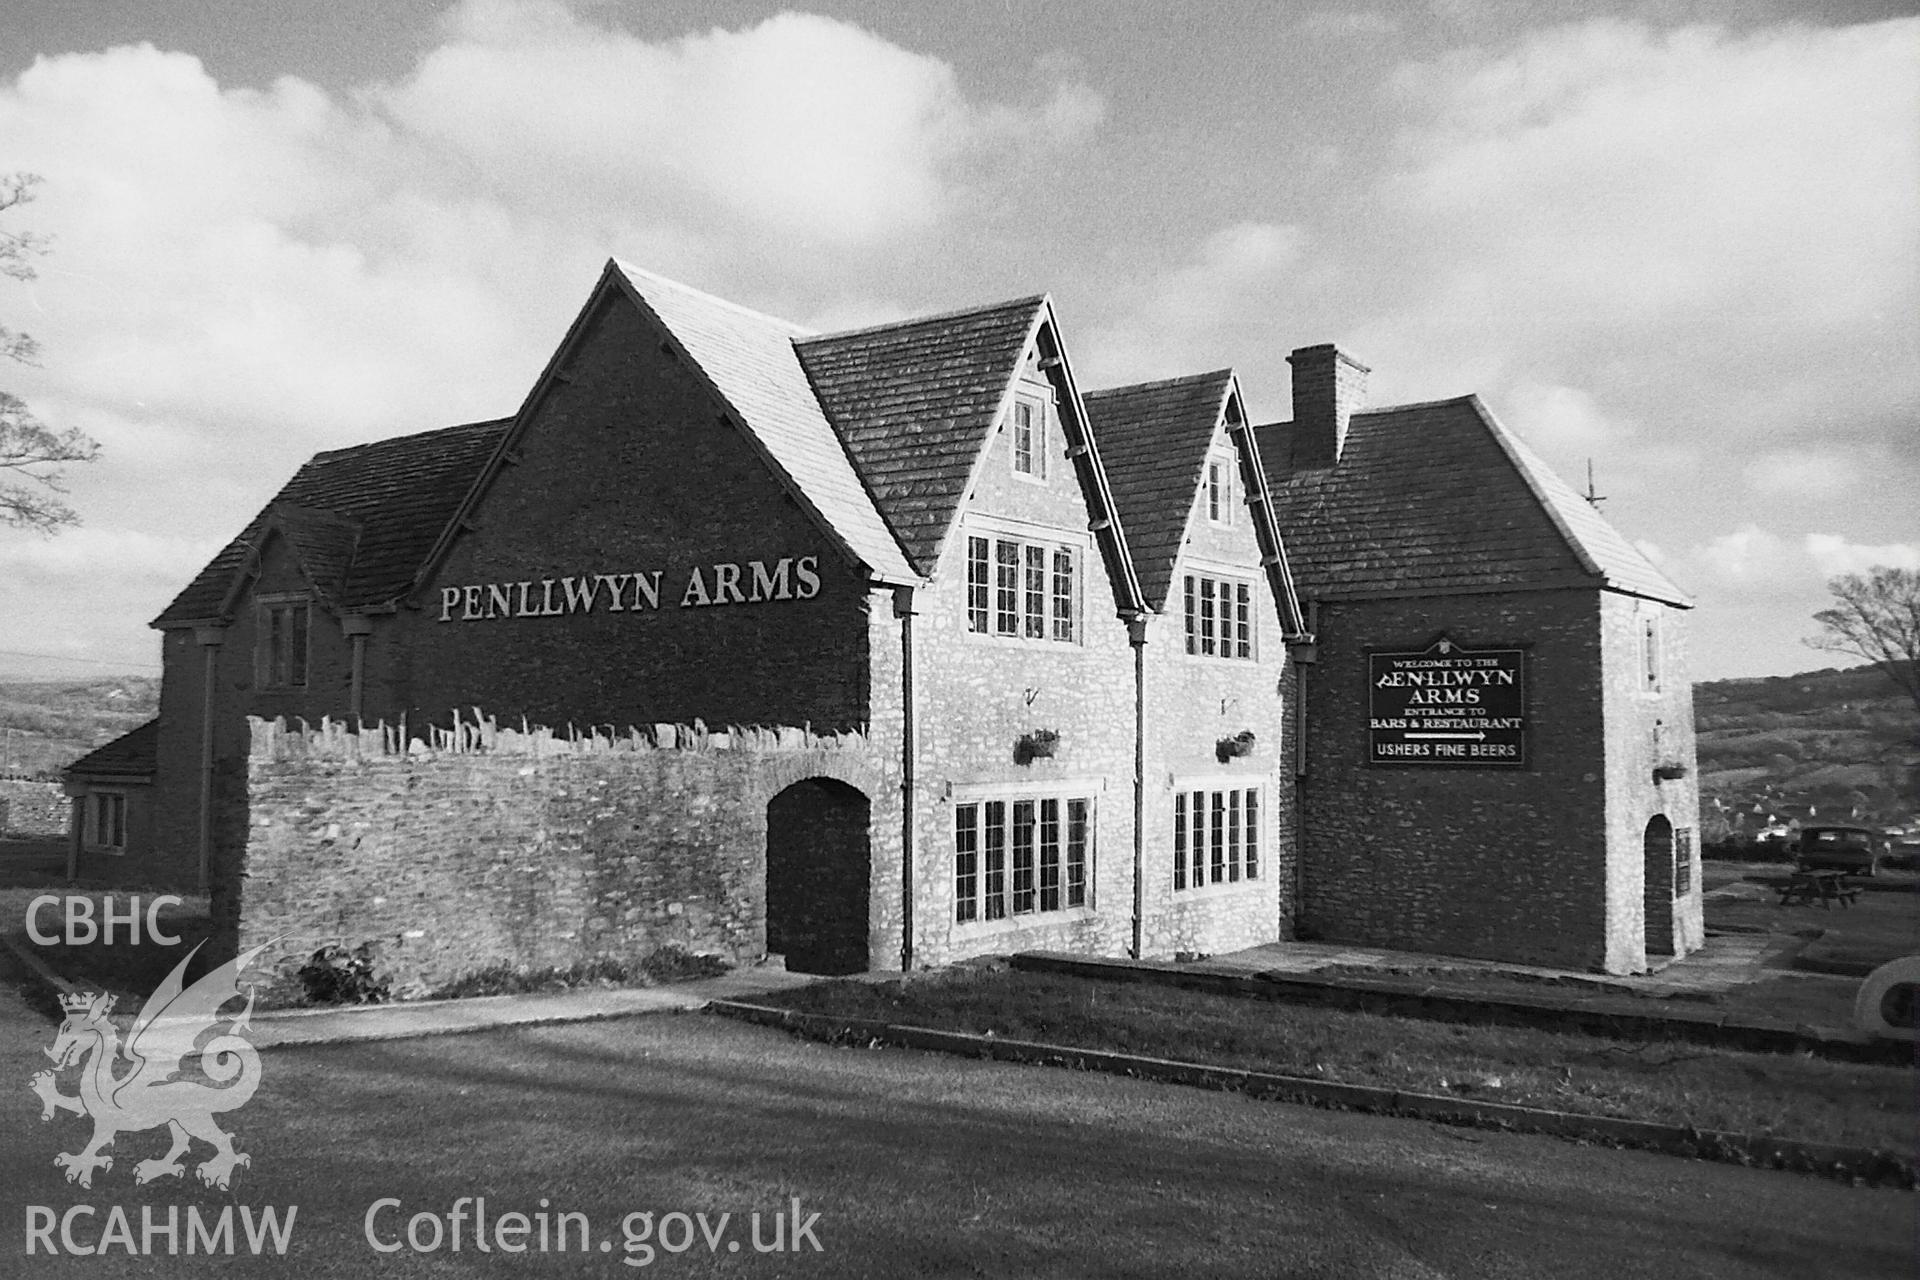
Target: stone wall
{"type": "Point", "coordinates": [487, 846]}
{"type": "Point", "coordinates": [1649, 723]}
{"type": "Point", "coordinates": [33, 809]}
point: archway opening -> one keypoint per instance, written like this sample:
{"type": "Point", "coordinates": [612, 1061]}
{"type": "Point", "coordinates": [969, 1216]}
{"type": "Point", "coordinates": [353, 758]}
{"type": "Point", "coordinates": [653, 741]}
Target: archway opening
{"type": "Point", "coordinates": [1659, 890]}
{"type": "Point", "coordinates": [818, 876]}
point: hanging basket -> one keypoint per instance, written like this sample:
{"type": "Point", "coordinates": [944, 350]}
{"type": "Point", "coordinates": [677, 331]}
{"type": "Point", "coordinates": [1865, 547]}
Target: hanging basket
{"type": "Point", "coordinates": [1671, 771]}
{"type": "Point", "coordinates": [1240, 744]}
{"type": "Point", "coordinates": [1038, 745]}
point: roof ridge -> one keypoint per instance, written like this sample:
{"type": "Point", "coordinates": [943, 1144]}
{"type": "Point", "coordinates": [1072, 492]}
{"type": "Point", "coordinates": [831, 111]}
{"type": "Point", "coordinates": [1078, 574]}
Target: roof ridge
{"type": "Point", "coordinates": [1178, 380]}
{"type": "Point", "coordinates": [1418, 404]}
{"type": "Point", "coordinates": [475, 425]}
{"type": "Point", "coordinates": [795, 330]}
{"type": "Point", "coordinates": [939, 317]}
{"type": "Point", "coordinates": [1407, 407]}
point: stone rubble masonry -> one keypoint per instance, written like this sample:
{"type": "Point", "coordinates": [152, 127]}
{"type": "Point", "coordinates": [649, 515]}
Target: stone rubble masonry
{"type": "Point", "coordinates": [33, 808]}
{"type": "Point", "coordinates": [487, 846]}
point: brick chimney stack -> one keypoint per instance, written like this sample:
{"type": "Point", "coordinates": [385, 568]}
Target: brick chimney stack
{"type": "Point", "coordinates": [1329, 386]}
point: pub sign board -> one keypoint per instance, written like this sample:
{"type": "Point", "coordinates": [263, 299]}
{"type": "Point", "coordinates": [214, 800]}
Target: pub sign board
{"type": "Point", "coordinates": [1446, 706]}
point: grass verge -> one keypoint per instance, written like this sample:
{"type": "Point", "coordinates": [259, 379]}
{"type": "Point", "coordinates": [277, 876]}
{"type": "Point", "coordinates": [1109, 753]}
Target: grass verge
{"type": "Point", "coordinates": [1789, 1096]}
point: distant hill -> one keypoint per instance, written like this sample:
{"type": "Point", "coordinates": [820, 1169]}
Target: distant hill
{"type": "Point", "coordinates": [46, 725]}
{"type": "Point", "coordinates": [1846, 742]}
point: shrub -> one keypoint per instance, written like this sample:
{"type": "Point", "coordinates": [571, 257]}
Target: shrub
{"type": "Point", "coordinates": [335, 975]}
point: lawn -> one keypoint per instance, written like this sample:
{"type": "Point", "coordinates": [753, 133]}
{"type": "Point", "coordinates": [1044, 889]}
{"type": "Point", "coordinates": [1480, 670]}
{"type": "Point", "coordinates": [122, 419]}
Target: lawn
{"type": "Point", "coordinates": [1788, 1096]}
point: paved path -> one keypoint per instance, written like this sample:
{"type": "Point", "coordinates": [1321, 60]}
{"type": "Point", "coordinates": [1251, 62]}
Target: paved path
{"type": "Point", "coordinates": [442, 1017]}
{"type": "Point", "coordinates": [1727, 961]}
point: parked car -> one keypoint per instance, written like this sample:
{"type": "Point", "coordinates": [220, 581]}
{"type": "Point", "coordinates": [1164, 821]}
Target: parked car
{"type": "Point", "coordinates": [1838, 848]}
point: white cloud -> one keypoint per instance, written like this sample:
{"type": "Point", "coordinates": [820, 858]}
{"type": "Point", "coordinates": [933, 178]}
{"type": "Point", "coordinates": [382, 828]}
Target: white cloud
{"type": "Point", "coordinates": [1563, 420]}
{"type": "Point", "coordinates": [241, 277]}
{"type": "Point", "coordinates": [1176, 322]}
{"type": "Point", "coordinates": [1752, 555]}
{"type": "Point", "coordinates": [1748, 555]}
{"type": "Point", "coordinates": [809, 126]}
{"type": "Point", "coordinates": [1835, 555]}
{"type": "Point", "coordinates": [1802, 472]}
{"type": "Point", "coordinates": [1708, 232]}
{"type": "Point", "coordinates": [112, 558]}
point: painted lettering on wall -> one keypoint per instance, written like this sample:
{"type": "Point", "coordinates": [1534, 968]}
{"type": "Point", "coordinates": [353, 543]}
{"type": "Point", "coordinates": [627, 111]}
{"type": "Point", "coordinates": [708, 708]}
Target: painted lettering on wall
{"type": "Point", "coordinates": [754, 582]}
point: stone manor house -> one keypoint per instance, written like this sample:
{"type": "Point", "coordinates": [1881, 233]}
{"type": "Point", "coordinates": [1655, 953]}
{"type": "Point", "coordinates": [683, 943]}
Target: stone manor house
{"type": "Point", "coordinates": [891, 647]}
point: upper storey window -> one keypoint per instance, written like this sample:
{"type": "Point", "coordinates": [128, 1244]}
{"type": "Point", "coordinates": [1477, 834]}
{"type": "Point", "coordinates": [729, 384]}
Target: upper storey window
{"type": "Point", "coordinates": [1219, 616]}
{"type": "Point", "coordinates": [1029, 438]}
{"type": "Point", "coordinates": [1650, 655]}
{"type": "Point", "coordinates": [1021, 587]}
{"type": "Point", "coordinates": [1219, 491]}
{"type": "Point", "coordinates": [281, 647]}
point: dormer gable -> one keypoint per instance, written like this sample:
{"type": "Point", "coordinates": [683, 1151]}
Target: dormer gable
{"type": "Point", "coordinates": [1188, 479]}
{"type": "Point", "coordinates": [974, 410]}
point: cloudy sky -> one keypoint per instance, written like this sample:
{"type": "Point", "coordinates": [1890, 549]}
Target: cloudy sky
{"type": "Point", "coordinates": [1676, 239]}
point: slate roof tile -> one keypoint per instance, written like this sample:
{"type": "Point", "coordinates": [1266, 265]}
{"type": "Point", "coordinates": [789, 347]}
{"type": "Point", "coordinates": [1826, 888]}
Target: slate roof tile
{"type": "Point", "coordinates": [131, 755]}
{"type": "Point", "coordinates": [1441, 497]}
{"type": "Point", "coordinates": [368, 515]}
{"type": "Point", "coordinates": [1153, 439]}
{"type": "Point", "coordinates": [914, 402]}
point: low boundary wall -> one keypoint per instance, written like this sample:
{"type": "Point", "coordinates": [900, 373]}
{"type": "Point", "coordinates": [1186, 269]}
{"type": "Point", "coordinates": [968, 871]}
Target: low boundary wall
{"type": "Point", "coordinates": [487, 846]}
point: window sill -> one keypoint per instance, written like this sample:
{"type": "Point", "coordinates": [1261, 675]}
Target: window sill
{"type": "Point", "coordinates": [1022, 923]}
{"type": "Point", "coordinates": [1226, 890]}
{"type": "Point", "coordinates": [991, 637]}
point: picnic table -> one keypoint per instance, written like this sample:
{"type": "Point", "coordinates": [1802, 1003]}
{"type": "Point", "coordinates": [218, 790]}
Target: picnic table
{"type": "Point", "coordinates": [1824, 887]}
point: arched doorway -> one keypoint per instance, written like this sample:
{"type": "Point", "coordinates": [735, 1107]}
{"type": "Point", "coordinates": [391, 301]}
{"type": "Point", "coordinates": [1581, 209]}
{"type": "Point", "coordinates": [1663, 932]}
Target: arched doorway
{"type": "Point", "coordinates": [1659, 891]}
{"type": "Point", "coordinates": [817, 876]}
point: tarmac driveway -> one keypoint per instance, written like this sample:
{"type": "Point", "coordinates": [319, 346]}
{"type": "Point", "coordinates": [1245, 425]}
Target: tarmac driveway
{"type": "Point", "coordinates": [916, 1165]}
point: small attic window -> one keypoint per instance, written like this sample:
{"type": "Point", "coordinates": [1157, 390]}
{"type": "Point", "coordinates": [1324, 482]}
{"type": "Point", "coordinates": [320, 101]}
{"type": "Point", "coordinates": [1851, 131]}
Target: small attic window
{"type": "Point", "coordinates": [1650, 654]}
{"type": "Point", "coordinates": [1029, 438]}
{"type": "Point", "coordinates": [280, 646]}
{"type": "Point", "coordinates": [1219, 491]}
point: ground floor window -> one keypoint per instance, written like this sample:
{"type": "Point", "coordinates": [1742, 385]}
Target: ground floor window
{"type": "Point", "coordinates": [106, 820]}
{"type": "Point", "coordinates": [1216, 837]}
{"type": "Point", "coordinates": [1682, 861]}
{"type": "Point", "coordinates": [1017, 857]}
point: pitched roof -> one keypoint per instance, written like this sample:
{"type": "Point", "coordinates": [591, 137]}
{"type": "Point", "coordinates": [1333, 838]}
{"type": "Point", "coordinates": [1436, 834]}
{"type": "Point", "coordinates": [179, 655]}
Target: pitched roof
{"type": "Point", "coordinates": [914, 403]}
{"type": "Point", "coordinates": [131, 755]}
{"type": "Point", "coordinates": [361, 520]}
{"type": "Point", "coordinates": [751, 361]}
{"type": "Point", "coordinates": [1439, 497]}
{"type": "Point", "coordinates": [1154, 438]}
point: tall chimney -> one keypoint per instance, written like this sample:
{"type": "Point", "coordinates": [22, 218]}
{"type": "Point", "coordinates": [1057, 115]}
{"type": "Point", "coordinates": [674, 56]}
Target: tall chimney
{"type": "Point", "coordinates": [1328, 387]}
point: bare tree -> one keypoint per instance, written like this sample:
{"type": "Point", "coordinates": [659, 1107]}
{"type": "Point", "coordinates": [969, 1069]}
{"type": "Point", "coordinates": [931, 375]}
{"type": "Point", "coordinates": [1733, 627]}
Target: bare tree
{"type": "Point", "coordinates": [31, 452]}
{"type": "Point", "coordinates": [1876, 616]}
